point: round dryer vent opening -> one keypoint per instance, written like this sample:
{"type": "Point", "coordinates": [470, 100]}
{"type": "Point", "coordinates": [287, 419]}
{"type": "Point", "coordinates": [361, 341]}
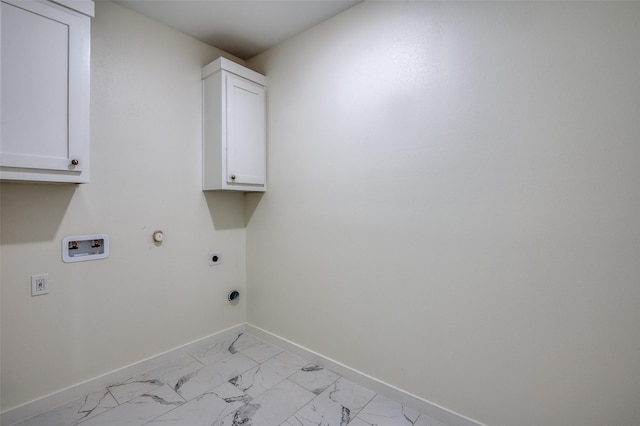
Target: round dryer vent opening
{"type": "Point", "coordinates": [234, 296]}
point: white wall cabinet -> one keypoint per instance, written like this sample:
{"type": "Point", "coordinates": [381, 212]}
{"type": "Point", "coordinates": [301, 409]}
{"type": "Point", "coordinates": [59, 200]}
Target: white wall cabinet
{"type": "Point", "coordinates": [45, 53]}
{"type": "Point", "coordinates": [234, 127]}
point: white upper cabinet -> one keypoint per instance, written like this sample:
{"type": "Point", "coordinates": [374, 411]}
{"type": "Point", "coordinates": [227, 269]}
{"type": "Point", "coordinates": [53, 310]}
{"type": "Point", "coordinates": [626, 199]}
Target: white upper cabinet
{"type": "Point", "coordinates": [44, 131]}
{"type": "Point", "coordinates": [234, 127]}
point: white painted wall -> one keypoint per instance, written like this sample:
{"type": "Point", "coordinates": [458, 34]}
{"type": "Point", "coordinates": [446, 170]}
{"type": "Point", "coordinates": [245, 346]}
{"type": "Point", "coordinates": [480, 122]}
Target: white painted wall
{"type": "Point", "coordinates": [452, 209]}
{"type": "Point", "coordinates": [146, 175]}
{"type": "Point", "coordinates": [453, 204]}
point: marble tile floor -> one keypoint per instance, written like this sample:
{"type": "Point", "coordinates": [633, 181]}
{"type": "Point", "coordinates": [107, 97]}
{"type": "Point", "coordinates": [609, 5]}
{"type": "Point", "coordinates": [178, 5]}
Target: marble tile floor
{"type": "Point", "coordinates": [238, 382]}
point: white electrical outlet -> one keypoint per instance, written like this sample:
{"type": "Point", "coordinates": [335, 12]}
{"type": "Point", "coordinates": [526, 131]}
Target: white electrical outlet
{"type": "Point", "coordinates": [215, 259]}
{"type": "Point", "coordinates": [39, 284]}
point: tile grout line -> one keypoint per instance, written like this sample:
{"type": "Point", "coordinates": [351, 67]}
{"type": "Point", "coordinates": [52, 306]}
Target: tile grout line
{"type": "Point", "coordinates": [202, 365]}
{"type": "Point", "coordinates": [305, 384]}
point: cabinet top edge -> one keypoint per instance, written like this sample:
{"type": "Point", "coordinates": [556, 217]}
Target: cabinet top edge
{"type": "Point", "coordinates": [86, 7]}
{"type": "Point", "coordinates": [235, 68]}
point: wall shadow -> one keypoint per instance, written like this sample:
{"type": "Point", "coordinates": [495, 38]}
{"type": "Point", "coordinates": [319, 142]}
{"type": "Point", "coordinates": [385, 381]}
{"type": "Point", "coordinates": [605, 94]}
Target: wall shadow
{"type": "Point", "coordinates": [227, 209]}
{"type": "Point", "coordinates": [252, 199]}
{"type": "Point", "coordinates": [32, 212]}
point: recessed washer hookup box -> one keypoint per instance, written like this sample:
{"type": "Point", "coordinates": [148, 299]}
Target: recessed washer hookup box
{"type": "Point", "coordinates": [78, 248]}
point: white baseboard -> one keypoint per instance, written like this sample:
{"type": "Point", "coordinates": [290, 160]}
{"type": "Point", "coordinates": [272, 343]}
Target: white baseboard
{"type": "Point", "coordinates": [64, 396]}
{"type": "Point", "coordinates": [79, 390]}
{"type": "Point", "coordinates": [442, 414]}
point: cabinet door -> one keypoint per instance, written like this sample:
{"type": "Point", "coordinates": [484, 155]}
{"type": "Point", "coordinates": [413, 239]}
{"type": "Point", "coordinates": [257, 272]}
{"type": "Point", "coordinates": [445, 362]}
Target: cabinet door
{"type": "Point", "coordinates": [246, 132]}
{"type": "Point", "coordinates": [44, 89]}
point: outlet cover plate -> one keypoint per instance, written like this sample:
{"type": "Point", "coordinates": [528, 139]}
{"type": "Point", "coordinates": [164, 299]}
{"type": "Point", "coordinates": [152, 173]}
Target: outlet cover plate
{"type": "Point", "coordinates": [39, 284]}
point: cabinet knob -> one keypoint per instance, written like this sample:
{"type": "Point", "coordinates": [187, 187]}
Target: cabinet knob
{"type": "Point", "coordinates": [75, 162]}
{"type": "Point", "coordinates": [233, 177]}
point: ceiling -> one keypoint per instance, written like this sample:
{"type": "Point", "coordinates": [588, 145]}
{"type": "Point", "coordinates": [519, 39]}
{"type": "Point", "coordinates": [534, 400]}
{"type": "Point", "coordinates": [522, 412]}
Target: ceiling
{"type": "Point", "coordinates": [243, 28]}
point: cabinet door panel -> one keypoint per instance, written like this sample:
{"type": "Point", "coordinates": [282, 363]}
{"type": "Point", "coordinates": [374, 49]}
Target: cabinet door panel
{"type": "Point", "coordinates": [38, 54]}
{"type": "Point", "coordinates": [246, 130]}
